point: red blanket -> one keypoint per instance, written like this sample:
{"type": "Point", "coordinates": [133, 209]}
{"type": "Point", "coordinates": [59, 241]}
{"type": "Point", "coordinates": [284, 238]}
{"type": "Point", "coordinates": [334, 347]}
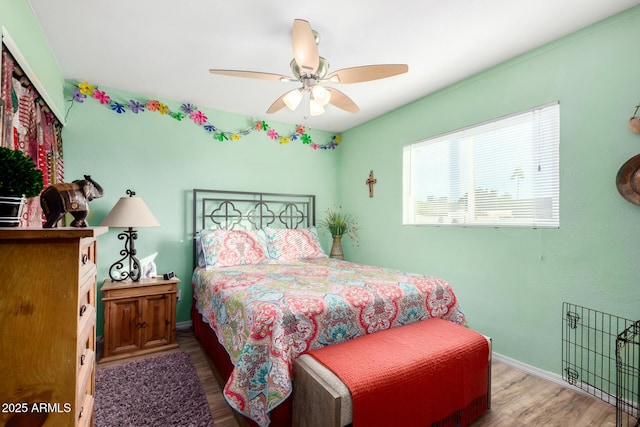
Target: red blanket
{"type": "Point", "coordinates": [432, 371]}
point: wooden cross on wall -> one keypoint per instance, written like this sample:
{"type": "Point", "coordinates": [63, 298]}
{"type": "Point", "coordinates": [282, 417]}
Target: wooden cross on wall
{"type": "Point", "coordinates": [370, 181]}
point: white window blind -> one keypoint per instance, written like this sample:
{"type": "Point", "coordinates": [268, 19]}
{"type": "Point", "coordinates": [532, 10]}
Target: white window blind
{"type": "Point", "coordinates": [500, 173]}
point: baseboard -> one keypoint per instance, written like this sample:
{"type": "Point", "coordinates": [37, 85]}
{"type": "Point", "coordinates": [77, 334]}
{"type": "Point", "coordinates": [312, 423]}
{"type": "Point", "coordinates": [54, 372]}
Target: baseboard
{"type": "Point", "coordinates": [549, 376]}
{"type": "Point", "coordinates": [187, 324]}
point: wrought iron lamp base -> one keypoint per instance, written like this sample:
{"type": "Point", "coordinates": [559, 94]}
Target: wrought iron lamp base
{"type": "Point", "coordinates": [117, 273]}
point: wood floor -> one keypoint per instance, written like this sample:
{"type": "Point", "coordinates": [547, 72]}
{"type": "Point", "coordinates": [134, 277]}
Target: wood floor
{"type": "Point", "coordinates": [522, 399]}
{"type": "Point", "coordinates": [518, 398]}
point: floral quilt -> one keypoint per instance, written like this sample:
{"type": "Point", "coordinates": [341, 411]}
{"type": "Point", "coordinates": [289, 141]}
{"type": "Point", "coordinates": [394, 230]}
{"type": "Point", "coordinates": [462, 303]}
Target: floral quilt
{"type": "Point", "coordinates": [266, 315]}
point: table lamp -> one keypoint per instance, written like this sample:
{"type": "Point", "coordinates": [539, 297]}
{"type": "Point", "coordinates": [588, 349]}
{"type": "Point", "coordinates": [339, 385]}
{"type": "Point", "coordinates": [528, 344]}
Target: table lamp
{"type": "Point", "coordinates": [130, 212]}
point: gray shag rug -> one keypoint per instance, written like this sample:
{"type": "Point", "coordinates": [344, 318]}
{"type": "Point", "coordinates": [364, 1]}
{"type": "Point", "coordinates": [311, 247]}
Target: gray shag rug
{"type": "Point", "coordinates": [158, 391]}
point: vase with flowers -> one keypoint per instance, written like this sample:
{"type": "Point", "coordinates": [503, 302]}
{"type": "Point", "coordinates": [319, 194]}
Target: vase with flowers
{"type": "Point", "coordinates": [339, 224]}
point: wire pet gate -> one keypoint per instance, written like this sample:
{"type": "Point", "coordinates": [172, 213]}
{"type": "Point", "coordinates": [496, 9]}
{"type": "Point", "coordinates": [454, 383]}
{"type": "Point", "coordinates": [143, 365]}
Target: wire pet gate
{"type": "Point", "coordinates": [601, 356]}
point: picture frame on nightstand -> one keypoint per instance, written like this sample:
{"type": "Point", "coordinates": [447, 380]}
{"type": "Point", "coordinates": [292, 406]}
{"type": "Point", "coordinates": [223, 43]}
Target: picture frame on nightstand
{"type": "Point", "coordinates": [148, 267]}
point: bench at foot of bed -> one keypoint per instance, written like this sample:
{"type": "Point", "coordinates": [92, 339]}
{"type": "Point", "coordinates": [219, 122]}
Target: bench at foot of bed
{"type": "Point", "coordinates": [432, 371]}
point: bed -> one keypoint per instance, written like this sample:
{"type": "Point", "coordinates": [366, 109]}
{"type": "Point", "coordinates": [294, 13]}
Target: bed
{"type": "Point", "coordinates": [265, 293]}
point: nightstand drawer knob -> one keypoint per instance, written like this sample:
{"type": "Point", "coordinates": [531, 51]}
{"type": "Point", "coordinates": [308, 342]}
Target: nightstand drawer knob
{"type": "Point", "coordinates": [85, 259]}
{"type": "Point", "coordinates": [83, 310]}
{"type": "Point", "coordinates": [82, 360]}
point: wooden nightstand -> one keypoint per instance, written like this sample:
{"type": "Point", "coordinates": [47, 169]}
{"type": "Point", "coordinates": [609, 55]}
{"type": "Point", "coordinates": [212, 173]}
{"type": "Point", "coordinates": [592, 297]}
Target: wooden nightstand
{"type": "Point", "coordinates": [139, 317]}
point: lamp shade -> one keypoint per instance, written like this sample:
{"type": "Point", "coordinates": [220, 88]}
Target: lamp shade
{"type": "Point", "coordinates": [130, 212]}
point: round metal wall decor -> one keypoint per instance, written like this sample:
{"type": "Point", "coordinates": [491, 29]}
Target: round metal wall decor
{"type": "Point", "coordinates": [628, 180]}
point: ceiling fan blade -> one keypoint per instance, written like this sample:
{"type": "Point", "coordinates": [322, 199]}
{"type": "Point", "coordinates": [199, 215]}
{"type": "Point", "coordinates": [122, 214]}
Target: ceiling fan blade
{"type": "Point", "coordinates": [342, 101]}
{"type": "Point", "coordinates": [366, 73]}
{"type": "Point", "coordinates": [305, 49]}
{"type": "Point", "coordinates": [279, 104]}
{"type": "Point", "coordinates": [251, 75]}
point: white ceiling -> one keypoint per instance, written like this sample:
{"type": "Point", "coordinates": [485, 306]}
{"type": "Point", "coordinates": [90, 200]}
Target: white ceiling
{"type": "Point", "coordinates": [164, 48]}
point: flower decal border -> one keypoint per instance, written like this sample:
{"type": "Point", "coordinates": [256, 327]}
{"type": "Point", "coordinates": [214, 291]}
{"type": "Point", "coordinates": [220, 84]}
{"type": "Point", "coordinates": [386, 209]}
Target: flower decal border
{"type": "Point", "coordinates": [187, 111]}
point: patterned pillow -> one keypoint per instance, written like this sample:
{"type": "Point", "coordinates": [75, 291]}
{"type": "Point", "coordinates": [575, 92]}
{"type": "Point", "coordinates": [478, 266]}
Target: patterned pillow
{"type": "Point", "coordinates": [200, 252]}
{"type": "Point", "coordinates": [226, 248]}
{"type": "Point", "coordinates": [293, 244]}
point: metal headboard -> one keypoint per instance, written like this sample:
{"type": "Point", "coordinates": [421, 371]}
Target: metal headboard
{"type": "Point", "coordinates": [232, 210]}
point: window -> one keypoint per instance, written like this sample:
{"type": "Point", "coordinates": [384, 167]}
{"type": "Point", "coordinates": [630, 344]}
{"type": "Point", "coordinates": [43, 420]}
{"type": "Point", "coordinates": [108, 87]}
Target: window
{"type": "Point", "coordinates": [499, 173]}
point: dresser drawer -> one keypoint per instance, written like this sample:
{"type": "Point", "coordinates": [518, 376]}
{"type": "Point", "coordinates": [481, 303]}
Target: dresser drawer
{"type": "Point", "coordinates": [85, 378]}
{"type": "Point", "coordinates": [86, 356]}
{"type": "Point", "coordinates": [84, 295]}
{"type": "Point", "coordinates": [88, 275]}
{"type": "Point", "coordinates": [87, 293]}
{"type": "Point", "coordinates": [87, 259]}
{"type": "Point", "coordinates": [86, 328]}
{"type": "Point", "coordinates": [126, 290]}
{"type": "Point", "coordinates": [85, 413]}
{"type": "Point", "coordinates": [86, 307]}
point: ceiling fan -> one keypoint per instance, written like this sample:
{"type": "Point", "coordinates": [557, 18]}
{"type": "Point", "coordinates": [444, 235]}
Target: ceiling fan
{"type": "Point", "coordinates": [311, 70]}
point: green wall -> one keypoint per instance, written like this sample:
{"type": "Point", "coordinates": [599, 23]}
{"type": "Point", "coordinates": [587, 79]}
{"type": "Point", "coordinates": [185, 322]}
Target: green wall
{"type": "Point", "coordinates": [512, 282]}
{"type": "Point", "coordinates": [163, 159]}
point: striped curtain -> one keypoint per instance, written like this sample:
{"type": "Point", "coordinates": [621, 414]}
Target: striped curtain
{"type": "Point", "coordinates": [27, 124]}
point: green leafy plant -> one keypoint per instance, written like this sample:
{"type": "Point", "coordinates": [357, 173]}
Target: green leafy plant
{"type": "Point", "coordinates": [18, 174]}
{"type": "Point", "coordinates": [339, 223]}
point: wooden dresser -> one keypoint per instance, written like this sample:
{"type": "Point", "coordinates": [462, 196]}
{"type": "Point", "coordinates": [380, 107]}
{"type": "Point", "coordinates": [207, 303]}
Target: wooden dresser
{"type": "Point", "coordinates": [47, 325]}
{"type": "Point", "coordinates": [139, 317]}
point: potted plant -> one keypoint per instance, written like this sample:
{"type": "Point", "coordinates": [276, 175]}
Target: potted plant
{"type": "Point", "coordinates": [19, 180]}
{"type": "Point", "coordinates": [338, 224]}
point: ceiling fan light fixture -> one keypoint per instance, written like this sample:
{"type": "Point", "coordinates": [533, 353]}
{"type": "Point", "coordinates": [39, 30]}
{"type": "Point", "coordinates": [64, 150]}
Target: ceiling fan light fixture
{"type": "Point", "coordinates": [292, 99]}
{"type": "Point", "coordinates": [310, 69]}
{"type": "Point", "coordinates": [321, 95]}
{"type": "Point", "coordinates": [315, 109]}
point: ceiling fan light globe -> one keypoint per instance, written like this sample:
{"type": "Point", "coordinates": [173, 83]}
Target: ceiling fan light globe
{"type": "Point", "coordinates": [292, 99]}
{"type": "Point", "coordinates": [321, 95]}
{"type": "Point", "coordinates": [315, 109]}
